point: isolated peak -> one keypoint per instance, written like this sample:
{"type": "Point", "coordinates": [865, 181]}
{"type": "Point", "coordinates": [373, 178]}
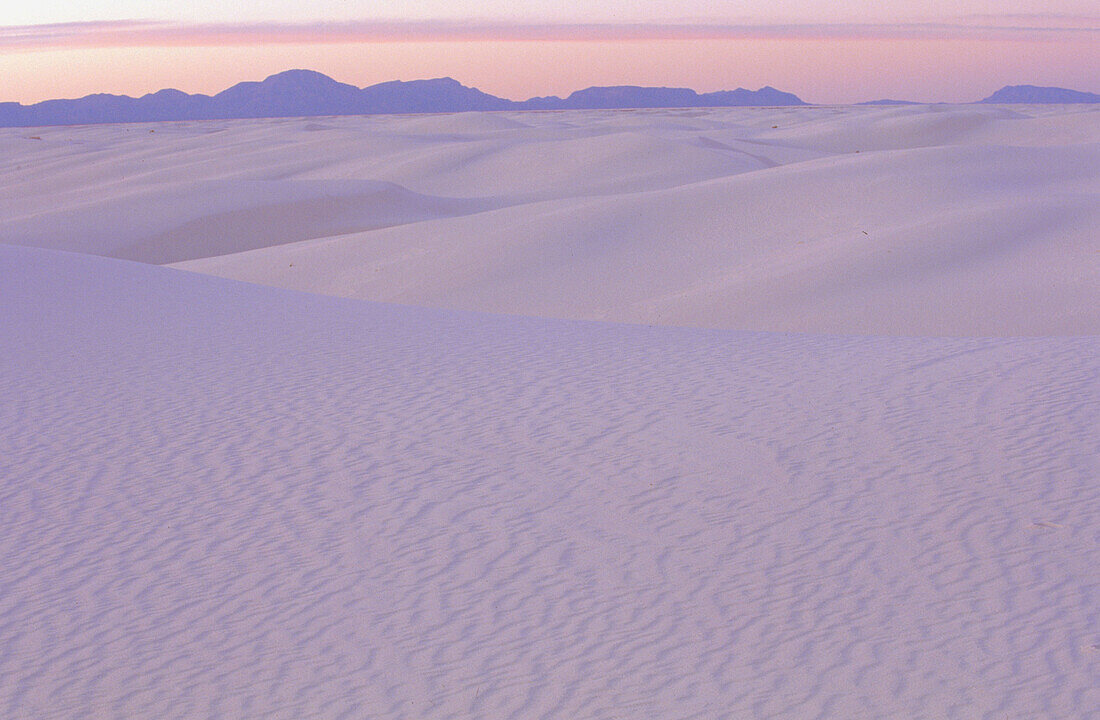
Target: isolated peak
{"type": "Point", "coordinates": [1036, 94]}
{"type": "Point", "coordinates": [299, 78]}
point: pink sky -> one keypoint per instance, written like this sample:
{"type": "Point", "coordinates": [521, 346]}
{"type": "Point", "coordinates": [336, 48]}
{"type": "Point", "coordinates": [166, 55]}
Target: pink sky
{"type": "Point", "coordinates": [961, 60]}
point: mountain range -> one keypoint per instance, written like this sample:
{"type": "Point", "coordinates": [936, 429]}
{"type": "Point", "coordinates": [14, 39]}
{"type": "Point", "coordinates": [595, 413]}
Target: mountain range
{"type": "Point", "coordinates": [297, 93]}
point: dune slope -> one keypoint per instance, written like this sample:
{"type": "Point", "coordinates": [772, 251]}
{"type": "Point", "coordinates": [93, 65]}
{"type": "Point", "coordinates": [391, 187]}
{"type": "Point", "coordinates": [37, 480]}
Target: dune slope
{"type": "Point", "coordinates": [223, 500]}
{"type": "Point", "coordinates": [911, 220]}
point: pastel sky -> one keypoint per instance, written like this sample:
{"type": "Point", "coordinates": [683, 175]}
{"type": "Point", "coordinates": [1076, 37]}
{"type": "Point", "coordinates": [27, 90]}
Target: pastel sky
{"type": "Point", "coordinates": [847, 51]}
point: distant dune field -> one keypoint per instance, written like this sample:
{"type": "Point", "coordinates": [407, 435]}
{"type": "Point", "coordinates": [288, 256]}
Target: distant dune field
{"type": "Point", "coordinates": [829, 449]}
{"type": "Point", "coordinates": [930, 220]}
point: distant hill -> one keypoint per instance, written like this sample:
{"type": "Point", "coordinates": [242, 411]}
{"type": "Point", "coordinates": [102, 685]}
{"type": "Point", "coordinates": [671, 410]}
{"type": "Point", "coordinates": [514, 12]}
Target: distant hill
{"type": "Point", "coordinates": [425, 96]}
{"type": "Point", "coordinates": [889, 102]}
{"type": "Point", "coordinates": [766, 95]}
{"type": "Point", "coordinates": [627, 97]}
{"type": "Point", "coordinates": [1033, 94]}
{"type": "Point", "coordinates": [297, 93]}
{"type": "Point", "coordinates": [631, 96]}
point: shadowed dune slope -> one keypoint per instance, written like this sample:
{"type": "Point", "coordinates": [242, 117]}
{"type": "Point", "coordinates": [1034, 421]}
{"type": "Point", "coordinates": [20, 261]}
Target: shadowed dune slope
{"type": "Point", "coordinates": [957, 241]}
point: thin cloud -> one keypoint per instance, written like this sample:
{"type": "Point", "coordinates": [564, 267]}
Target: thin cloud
{"type": "Point", "coordinates": [129, 33]}
{"type": "Point", "coordinates": [1044, 19]}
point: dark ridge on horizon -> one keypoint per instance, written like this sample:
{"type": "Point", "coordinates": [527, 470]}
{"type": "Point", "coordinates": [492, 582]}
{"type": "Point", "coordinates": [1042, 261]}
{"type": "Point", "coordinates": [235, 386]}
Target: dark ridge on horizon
{"type": "Point", "coordinates": [1031, 94]}
{"type": "Point", "coordinates": [306, 93]}
{"type": "Point", "coordinates": [887, 101]}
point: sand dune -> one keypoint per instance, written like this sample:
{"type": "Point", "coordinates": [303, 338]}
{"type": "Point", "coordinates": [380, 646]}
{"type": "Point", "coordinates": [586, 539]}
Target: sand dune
{"type": "Point", "coordinates": [221, 217]}
{"type": "Point", "coordinates": [854, 250]}
{"type": "Point", "coordinates": [925, 220]}
{"type": "Point", "coordinates": [223, 500]}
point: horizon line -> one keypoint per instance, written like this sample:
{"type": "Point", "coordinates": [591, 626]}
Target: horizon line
{"type": "Point", "coordinates": [766, 86]}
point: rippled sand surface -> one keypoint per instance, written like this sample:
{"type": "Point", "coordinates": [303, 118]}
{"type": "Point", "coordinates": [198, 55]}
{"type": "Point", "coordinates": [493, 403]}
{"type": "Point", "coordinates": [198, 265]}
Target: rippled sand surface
{"type": "Point", "coordinates": [229, 500]}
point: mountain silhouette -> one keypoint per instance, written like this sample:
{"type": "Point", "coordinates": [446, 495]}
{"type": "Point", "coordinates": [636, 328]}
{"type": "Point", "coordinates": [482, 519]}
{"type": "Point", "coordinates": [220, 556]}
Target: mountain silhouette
{"type": "Point", "coordinates": [291, 93]}
{"type": "Point", "coordinates": [600, 98]}
{"type": "Point", "coordinates": [1038, 95]}
{"type": "Point", "coordinates": [298, 93]}
{"type": "Point", "coordinates": [425, 96]}
{"type": "Point", "coordinates": [888, 101]}
{"type": "Point", "coordinates": [621, 97]}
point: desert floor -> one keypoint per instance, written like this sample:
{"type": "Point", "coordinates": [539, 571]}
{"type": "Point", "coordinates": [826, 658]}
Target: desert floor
{"type": "Point", "coordinates": [737, 413]}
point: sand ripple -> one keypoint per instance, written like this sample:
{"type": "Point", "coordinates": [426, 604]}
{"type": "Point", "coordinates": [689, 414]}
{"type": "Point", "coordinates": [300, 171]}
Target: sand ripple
{"type": "Point", "coordinates": [225, 501]}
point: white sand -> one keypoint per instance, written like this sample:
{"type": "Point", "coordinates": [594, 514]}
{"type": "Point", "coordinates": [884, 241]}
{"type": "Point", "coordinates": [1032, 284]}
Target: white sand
{"type": "Point", "coordinates": [221, 500]}
{"type": "Point", "coordinates": [950, 220]}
